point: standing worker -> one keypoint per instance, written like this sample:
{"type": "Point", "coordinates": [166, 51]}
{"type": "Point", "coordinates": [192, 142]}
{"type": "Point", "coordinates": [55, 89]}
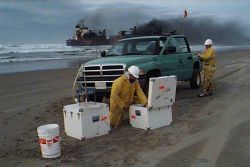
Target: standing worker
{"type": "Point", "coordinates": [123, 94]}
{"type": "Point", "coordinates": [208, 58]}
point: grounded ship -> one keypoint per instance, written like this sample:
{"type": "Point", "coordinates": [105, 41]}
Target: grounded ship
{"type": "Point", "coordinates": [87, 37]}
{"type": "Point", "coordinates": [84, 36]}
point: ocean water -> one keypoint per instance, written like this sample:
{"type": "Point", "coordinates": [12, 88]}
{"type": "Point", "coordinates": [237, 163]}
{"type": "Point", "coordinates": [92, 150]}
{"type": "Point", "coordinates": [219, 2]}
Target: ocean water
{"type": "Point", "coordinates": [19, 58]}
{"type": "Point", "coordinates": [46, 52]}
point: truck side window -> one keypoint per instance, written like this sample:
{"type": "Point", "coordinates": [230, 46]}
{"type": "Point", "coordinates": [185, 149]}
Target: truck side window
{"type": "Point", "coordinates": [174, 42]}
{"type": "Point", "coordinates": [180, 44]}
{"type": "Point", "coordinates": [183, 47]}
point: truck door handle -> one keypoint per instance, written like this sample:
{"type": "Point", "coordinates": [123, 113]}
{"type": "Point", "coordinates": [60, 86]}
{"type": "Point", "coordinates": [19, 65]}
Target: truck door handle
{"type": "Point", "coordinates": [189, 57]}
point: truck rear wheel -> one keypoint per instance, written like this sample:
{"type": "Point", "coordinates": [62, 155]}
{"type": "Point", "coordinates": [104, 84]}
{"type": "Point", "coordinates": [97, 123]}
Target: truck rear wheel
{"type": "Point", "coordinates": [195, 81]}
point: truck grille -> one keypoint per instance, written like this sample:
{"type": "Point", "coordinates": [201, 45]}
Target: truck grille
{"type": "Point", "coordinates": [106, 73]}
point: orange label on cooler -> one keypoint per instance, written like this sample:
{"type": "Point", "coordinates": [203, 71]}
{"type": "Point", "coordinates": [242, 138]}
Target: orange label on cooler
{"type": "Point", "coordinates": [162, 87]}
{"type": "Point", "coordinates": [42, 141]}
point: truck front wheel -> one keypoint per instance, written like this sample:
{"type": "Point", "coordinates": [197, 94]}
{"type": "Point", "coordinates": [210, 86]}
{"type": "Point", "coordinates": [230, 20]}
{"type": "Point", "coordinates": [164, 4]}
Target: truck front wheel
{"type": "Point", "coordinates": [195, 81]}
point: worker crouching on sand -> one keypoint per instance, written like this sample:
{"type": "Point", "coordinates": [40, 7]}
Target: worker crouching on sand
{"type": "Point", "coordinates": [123, 94]}
{"type": "Point", "coordinates": [208, 58]}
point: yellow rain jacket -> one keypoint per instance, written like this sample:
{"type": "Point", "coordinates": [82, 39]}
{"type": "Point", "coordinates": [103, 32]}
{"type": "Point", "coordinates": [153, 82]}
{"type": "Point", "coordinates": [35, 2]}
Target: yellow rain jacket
{"type": "Point", "coordinates": [208, 57]}
{"type": "Point", "coordinates": [123, 92]}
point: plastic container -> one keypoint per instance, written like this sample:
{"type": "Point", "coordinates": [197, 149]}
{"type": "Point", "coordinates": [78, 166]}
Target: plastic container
{"type": "Point", "coordinates": [49, 140]}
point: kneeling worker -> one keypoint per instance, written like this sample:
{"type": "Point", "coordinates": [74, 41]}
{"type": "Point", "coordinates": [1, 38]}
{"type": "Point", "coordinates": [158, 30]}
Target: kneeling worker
{"type": "Point", "coordinates": [123, 94]}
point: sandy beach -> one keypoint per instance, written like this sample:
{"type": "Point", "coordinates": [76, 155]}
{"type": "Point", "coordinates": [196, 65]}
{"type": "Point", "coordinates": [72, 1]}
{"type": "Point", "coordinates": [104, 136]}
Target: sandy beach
{"type": "Point", "coordinates": [212, 131]}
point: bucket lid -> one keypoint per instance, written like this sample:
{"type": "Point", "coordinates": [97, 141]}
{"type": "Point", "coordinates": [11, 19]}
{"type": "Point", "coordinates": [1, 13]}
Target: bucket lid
{"type": "Point", "coordinates": [48, 127]}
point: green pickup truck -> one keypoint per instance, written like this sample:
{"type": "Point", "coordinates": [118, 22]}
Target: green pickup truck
{"type": "Point", "coordinates": [154, 55]}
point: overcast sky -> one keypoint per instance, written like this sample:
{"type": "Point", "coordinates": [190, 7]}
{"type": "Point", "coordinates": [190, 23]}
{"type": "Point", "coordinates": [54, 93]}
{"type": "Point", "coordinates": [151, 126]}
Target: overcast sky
{"type": "Point", "coordinates": [47, 21]}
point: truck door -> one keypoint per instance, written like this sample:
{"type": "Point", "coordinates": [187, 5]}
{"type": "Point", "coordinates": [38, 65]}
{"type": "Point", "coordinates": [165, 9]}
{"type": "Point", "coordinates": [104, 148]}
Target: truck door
{"type": "Point", "coordinates": [185, 66]}
{"type": "Point", "coordinates": [169, 61]}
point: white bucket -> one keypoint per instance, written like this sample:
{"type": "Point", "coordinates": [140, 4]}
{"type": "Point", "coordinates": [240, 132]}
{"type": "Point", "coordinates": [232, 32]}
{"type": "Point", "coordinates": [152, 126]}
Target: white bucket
{"type": "Point", "coordinates": [49, 140]}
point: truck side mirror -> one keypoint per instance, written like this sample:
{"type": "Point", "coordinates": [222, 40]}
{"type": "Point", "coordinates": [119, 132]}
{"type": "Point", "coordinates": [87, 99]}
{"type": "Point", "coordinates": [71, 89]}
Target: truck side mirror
{"type": "Point", "coordinates": [171, 49]}
{"type": "Point", "coordinates": [103, 53]}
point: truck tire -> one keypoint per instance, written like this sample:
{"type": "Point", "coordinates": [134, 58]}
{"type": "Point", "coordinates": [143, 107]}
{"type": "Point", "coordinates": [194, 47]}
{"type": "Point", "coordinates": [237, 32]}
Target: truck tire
{"type": "Point", "coordinates": [195, 81]}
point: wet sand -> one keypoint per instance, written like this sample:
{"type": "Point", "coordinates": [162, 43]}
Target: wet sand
{"type": "Point", "coordinates": [210, 131]}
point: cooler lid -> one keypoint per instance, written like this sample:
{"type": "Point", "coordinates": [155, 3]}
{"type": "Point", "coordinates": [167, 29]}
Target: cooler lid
{"type": "Point", "coordinates": [162, 91]}
{"type": "Point", "coordinates": [84, 106]}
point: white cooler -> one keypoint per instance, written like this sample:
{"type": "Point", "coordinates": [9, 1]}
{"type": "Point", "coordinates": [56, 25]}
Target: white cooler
{"type": "Point", "coordinates": [86, 120]}
{"type": "Point", "coordinates": [143, 118]}
{"type": "Point", "coordinates": [161, 97]}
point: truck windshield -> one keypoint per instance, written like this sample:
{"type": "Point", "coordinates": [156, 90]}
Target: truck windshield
{"type": "Point", "coordinates": [134, 47]}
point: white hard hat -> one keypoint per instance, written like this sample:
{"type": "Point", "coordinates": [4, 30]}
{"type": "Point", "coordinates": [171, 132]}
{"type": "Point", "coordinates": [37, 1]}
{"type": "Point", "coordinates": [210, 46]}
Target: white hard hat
{"type": "Point", "coordinates": [208, 42]}
{"type": "Point", "coordinates": [134, 70]}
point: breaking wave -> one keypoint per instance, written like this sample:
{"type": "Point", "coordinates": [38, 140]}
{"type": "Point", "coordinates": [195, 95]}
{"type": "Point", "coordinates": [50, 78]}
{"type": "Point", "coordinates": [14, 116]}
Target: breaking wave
{"type": "Point", "coordinates": [46, 52]}
{"type": "Point", "coordinates": [43, 48]}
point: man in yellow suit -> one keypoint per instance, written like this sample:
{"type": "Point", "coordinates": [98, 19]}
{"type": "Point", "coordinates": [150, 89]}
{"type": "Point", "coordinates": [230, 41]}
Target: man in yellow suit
{"type": "Point", "coordinates": [125, 91]}
{"type": "Point", "coordinates": [209, 61]}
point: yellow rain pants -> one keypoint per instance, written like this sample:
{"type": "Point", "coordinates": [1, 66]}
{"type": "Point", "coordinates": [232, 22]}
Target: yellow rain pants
{"type": "Point", "coordinates": [123, 92]}
{"type": "Point", "coordinates": [208, 85]}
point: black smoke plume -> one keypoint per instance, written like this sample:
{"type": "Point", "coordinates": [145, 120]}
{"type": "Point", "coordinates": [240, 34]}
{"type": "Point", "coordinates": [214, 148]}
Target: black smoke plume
{"type": "Point", "coordinates": [199, 29]}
